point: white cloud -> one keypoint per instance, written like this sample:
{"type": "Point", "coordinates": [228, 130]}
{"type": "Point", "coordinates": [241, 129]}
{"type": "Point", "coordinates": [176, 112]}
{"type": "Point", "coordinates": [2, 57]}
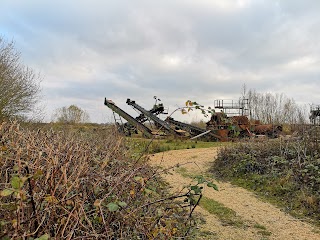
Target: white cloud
{"type": "Point", "coordinates": [177, 50]}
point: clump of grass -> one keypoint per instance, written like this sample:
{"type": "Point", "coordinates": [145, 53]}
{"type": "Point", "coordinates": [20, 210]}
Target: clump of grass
{"type": "Point", "coordinates": [264, 233]}
{"type": "Point", "coordinates": [259, 226]}
{"type": "Point", "coordinates": [81, 184]}
{"type": "Point", "coordinates": [183, 172]}
{"type": "Point", "coordinates": [226, 215]}
{"type": "Point", "coordinates": [262, 230]}
{"type": "Point", "coordinates": [186, 174]}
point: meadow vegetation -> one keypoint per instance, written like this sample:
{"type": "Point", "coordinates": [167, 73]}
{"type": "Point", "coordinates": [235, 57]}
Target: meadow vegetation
{"type": "Point", "coordinates": [82, 182]}
{"type": "Point", "coordinates": [287, 172]}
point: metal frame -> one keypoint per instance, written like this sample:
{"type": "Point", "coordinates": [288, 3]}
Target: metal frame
{"type": "Point", "coordinates": [146, 131]}
{"type": "Point", "coordinates": [233, 107]}
{"type": "Point", "coordinates": [153, 117]}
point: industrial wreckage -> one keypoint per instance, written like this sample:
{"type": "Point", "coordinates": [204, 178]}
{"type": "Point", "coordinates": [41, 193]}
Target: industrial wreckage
{"type": "Point", "coordinates": [228, 124]}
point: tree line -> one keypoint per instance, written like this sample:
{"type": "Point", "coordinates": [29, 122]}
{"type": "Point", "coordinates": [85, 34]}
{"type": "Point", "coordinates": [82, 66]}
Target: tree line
{"type": "Point", "coordinates": [275, 108]}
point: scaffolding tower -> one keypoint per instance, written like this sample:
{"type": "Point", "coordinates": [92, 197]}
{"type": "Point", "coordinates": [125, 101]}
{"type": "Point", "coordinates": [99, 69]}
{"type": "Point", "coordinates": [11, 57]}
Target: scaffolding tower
{"type": "Point", "coordinates": [233, 107]}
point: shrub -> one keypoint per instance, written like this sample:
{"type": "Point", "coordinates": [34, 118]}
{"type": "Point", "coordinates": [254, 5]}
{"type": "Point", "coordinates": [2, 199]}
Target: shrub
{"type": "Point", "coordinates": [77, 185]}
{"type": "Point", "coordinates": [287, 170]}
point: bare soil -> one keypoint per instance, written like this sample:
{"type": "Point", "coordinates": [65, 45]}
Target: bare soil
{"type": "Point", "coordinates": [256, 213]}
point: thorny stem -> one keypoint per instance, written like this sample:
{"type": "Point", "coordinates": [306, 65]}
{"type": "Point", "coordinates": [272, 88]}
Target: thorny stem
{"type": "Point", "coordinates": [160, 200]}
{"type": "Point", "coordinates": [197, 203]}
{"type": "Point", "coordinates": [36, 224]}
{"type": "Point", "coordinates": [164, 170]}
{"type": "Point", "coordinates": [168, 198]}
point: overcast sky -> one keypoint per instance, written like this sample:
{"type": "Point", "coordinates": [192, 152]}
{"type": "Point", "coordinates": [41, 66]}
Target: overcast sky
{"type": "Point", "coordinates": [177, 50]}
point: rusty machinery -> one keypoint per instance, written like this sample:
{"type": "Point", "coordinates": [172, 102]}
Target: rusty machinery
{"type": "Point", "coordinates": [315, 122]}
{"type": "Point", "coordinates": [232, 122]}
{"type": "Point", "coordinates": [193, 131]}
{"type": "Point", "coordinates": [229, 127]}
{"type": "Point", "coordinates": [229, 124]}
{"type": "Point", "coordinates": [131, 121]}
{"type": "Point", "coordinates": [161, 124]}
{"type": "Point", "coordinates": [135, 124]}
{"type": "Point", "coordinates": [171, 126]}
{"type": "Point", "coordinates": [315, 114]}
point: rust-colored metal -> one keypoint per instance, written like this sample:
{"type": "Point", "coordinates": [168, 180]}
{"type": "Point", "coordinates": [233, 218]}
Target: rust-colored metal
{"type": "Point", "coordinates": [223, 135]}
{"type": "Point", "coordinates": [270, 130]}
{"type": "Point", "coordinates": [220, 127]}
{"type": "Point", "coordinates": [235, 127]}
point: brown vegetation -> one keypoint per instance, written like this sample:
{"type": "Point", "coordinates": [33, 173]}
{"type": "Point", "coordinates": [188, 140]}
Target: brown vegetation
{"type": "Point", "coordinates": [76, 185]}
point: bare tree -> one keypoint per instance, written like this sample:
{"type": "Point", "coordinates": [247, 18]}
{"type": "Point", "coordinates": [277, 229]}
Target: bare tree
{"type": "Point", "coordinates": [71, 114]}
{"type": "Point", "coordinates": [19, 84]}
{"type": "Point", "coordinates": [275, 108]}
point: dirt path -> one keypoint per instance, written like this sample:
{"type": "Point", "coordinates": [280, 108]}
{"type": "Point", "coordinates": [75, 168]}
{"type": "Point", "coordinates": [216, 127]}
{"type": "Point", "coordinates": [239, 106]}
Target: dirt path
{"type": "Point", "coordinates": [261, 220]}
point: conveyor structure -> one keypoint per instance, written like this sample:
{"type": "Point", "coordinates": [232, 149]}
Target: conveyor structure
{"type": "Point", "coordinates": [131, 120]}
{"type": "Point", "coordinates": [193, 130]}
{"type": "Point", "coordinates": [162, 124]}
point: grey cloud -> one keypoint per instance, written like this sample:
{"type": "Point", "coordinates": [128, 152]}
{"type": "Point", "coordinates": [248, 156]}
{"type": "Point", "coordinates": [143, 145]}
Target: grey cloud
{"type": "Point", "coordinates": [178, 50]}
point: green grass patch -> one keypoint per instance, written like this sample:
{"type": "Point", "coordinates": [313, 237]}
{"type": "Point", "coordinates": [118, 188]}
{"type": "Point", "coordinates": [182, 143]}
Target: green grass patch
{"type": "Point", "coordinates": [259, 226]}
{"type": "Point", "coordinates": [262, 230]}
{"type": "Point", "coordinates": [226, 215]}
{"type": "Point", "coordinates": [141, 145]}
{"type": "Point", "coordinates": [264, 233]}
{"type": "Point", "coordinates": [184, 173]}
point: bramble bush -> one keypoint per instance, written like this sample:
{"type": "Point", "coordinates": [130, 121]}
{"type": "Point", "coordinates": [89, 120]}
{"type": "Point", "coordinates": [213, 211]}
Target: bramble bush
{"type": "Point", "coordinates": [287, 171]}
{"type": "Point", "coordinates": [85, 184]}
